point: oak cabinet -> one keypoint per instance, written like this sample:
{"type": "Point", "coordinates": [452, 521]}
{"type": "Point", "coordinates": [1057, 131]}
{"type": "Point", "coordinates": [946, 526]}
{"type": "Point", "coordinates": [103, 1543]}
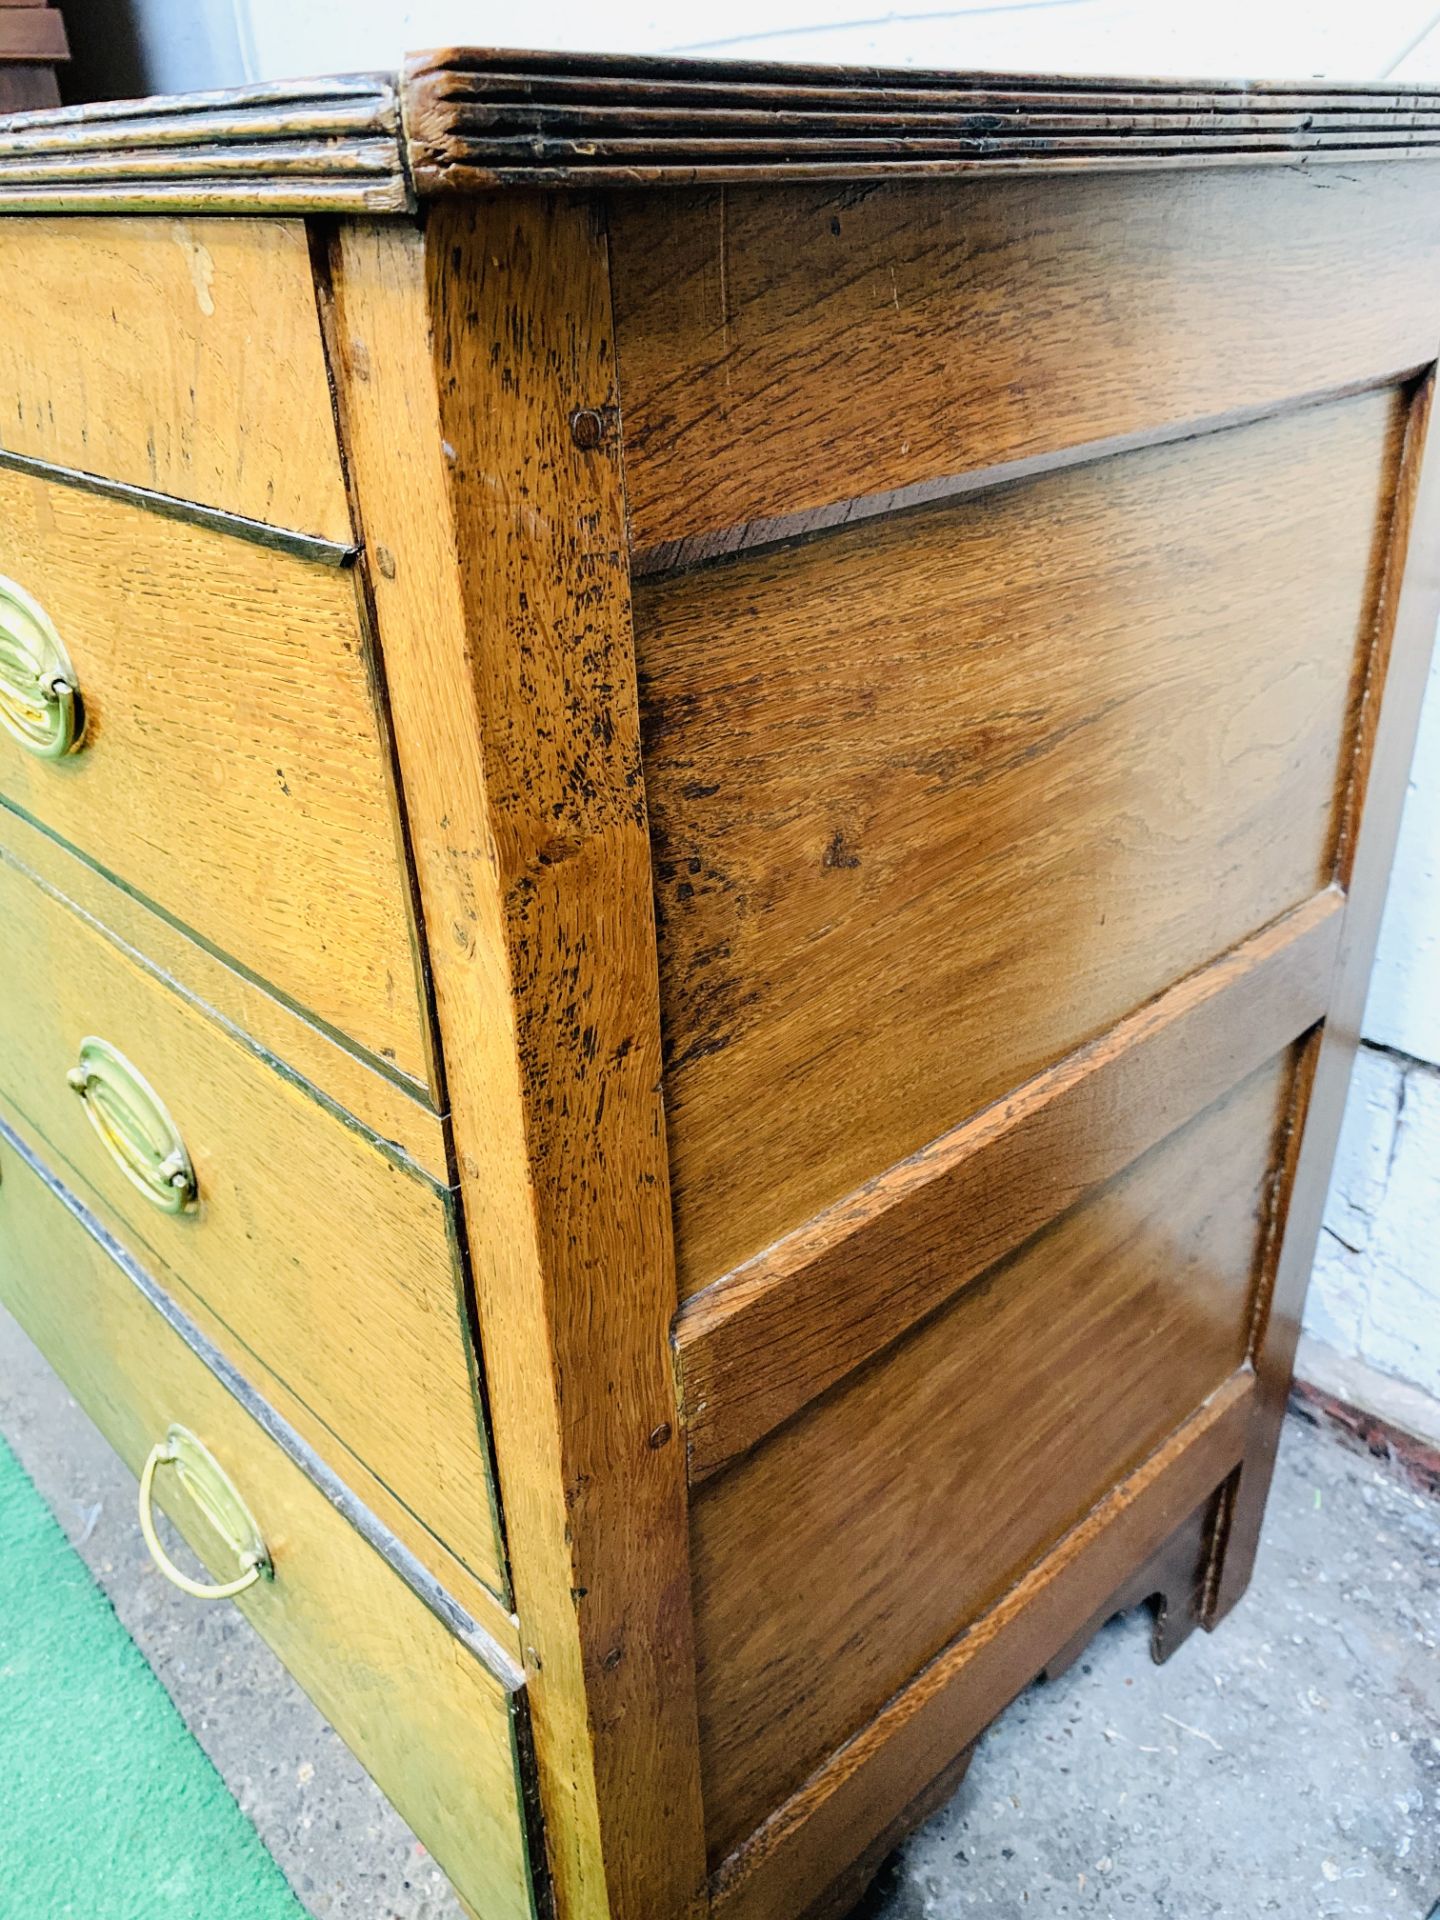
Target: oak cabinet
{"type": "Point", "coordinates": [698, 764]}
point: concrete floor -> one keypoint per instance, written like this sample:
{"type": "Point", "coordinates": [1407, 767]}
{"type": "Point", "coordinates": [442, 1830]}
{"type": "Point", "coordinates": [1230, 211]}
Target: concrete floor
{"type": "Point", "coordinates": [1288, 1765]}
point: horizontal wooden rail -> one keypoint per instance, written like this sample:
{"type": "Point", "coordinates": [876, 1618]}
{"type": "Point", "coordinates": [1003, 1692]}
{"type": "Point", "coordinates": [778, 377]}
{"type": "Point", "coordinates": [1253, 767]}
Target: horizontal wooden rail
{"type": "Point", "coordinates": [766, 1339]}
{"type": "Point", "coordinates": [755, 536]}
{"type": "Point", "coordinates": [887, 1765]}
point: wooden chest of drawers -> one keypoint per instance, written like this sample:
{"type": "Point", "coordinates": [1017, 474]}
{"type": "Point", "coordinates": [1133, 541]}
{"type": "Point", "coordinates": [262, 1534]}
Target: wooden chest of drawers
{"type": "Point", "coordinates": [698, 765]}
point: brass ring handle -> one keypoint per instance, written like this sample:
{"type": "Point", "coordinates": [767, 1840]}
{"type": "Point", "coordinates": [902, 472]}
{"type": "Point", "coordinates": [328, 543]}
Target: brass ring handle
{"type": "Point", "coordinates": [134, 1126]}
{"type": "Point", "coordinates": [39, 693]}
{"type": "Point", "coordinates": [214, 1493]}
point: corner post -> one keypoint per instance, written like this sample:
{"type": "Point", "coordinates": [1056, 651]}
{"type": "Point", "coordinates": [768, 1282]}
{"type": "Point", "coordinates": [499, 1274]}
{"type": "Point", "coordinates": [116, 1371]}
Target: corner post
{"type": "Point", "coordinates": [476, 368]}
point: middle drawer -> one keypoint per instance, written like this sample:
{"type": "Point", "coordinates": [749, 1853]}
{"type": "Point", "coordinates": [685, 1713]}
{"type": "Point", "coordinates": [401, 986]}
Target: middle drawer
{"type": "Point", "coordinates": [330, 1258]}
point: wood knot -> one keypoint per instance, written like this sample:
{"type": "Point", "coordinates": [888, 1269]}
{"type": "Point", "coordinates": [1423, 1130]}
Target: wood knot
{"type": "Point", "coordinates": [587, 428]}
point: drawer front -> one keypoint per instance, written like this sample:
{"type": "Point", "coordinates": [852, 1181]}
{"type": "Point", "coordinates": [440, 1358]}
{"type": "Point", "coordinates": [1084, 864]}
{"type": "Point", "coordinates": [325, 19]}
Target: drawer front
{"type": "Point", "coordinates": [179, 355]}
{"type": "Point", "coordinates": [429, 1719]}
{"type": "Point", "coordinates": [329, 1258]}
{"type": "Point", "coordinates": [231, 768]}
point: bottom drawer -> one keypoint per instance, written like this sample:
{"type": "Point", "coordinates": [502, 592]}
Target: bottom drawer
{"type": "Point", "coordinates": [433, 1710]}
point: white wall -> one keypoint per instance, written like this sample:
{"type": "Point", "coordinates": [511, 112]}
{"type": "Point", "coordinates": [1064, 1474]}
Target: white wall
{"type": "Point", "coordinates": [196, 43]}
{"type": "Point", "coordinates": [1223, 37]}
{"type": "Point", "coordinates": [1374, 1319]}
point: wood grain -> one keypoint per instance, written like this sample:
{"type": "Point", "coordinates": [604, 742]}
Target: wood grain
{"type": "Point", "coordinates": [1398, 668]}
{"type": "Point", "coordinates": [499, 575]}
{"type": "Point", "coordinates": [760, 1344]}
{"type": "Point", "coordinates": [192, 366]}
{"type": "Point", "coordinates": [376, 1346]}
{"type": "Point", "coordinates": [785, 350]}
{"type": "Point", "coordinates": [233, 770]}
{"type": "Point", "coordinates": [316, 146]}
{"type": "Point", "coordinates": [905, 780]}
{"type": "Point", "coordinates": [413, 1703]}
{"type": "Point", "coordinates": [478, 118]}
{"type": "Point", "coordinates": [890, 1761]}
{"type": "Point", "coordinates": [394, 1112]}
{"type": "Point", "coordinates": [833, 1562]}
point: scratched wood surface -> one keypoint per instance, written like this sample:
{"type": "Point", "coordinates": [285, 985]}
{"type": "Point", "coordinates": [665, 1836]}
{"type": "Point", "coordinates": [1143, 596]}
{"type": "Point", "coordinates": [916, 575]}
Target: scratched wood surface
{"type": "Point", "coordinates": [234, 770]}
{"type": "Point", "coordinates": [468, 120]}
{"type": "Point", "coordinates": [843, 1553]}
{"type": "Point", "coordinates": [909, 849]}
{"type": "Point", "coordinates": [477, 118]}
{"type": "Point", "coordinates": [786, 352]}
{"type": "Point", "coordinates": [527, 812]}
{"type": "Point", "coordinates": [415, 1705]}
{"type": "Point", "coordinates": [376, 1346]}
{"type": "Point", "coordinates": [296, 145]}
{"type": "Point", "coordinates": [937, 918]}
{"type": "Point", "coordinates": [192, 364]}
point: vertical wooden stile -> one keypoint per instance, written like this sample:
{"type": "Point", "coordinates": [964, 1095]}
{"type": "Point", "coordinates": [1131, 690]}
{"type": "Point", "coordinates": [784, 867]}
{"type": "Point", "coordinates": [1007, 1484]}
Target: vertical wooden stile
{"type": "Point", "coordinates": [1370, 823]}
{"type": "Point", "coordinates": [477, 385]}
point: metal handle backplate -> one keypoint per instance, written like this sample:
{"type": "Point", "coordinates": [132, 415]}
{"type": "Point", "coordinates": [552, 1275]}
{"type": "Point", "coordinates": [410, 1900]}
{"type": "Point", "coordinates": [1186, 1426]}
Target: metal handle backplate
{"type": "Point", "coordinates": [215, 1494]}
{"type": "Point", "coordinates": [39, 694]}
{"type": "Point", "coordinates": [134, 1125]}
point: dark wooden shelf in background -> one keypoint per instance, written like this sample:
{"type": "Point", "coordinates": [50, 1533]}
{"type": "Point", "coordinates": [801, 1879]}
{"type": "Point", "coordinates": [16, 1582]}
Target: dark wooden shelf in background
{"type": "Point", "coordinates": [32, 45]}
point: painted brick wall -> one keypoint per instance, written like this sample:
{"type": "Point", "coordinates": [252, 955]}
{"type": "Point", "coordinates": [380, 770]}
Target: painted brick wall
{"type": "Point", "coordinates": [1373, 1318]}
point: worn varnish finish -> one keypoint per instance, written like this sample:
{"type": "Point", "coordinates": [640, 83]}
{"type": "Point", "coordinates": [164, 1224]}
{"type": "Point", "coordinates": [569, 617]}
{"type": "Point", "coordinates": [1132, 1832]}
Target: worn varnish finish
{"type": "Point", "coordinates": [888, 810]}
{"type": "Point", "coordinates": [528, 815]}
{"type": "Point", "coordinates": [435, 1725]}
{"type": "Point", "coordinates": [268, 1243]}
{"type": "Point", "coordinates": [395, 1112]}
{"type": "Point", "coordinates": [897, 604]}
{"type": "Point", "coordinates": [234, 768]}
{"type": "Point", "coordinates": [470, 120]}
{"type": "Point", "coordinates": [788, 353]}
{"type": "Point", "coordinates": [478, 119]}
{"type": "Point", "coordinates": [282, 146]}
{"type": "Point", "coordinates": [228, 407]}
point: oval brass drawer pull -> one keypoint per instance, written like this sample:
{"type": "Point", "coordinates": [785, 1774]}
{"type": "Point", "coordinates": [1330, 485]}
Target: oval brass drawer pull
{"type": "Point", "coordinates": [217, 1497]}
{"type": "Point", "coordinates": [39, 695]}
{"type": "Point", "coordinates": [134, 1126]}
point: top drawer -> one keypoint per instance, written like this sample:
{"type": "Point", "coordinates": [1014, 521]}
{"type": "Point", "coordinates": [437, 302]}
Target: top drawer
{"type": "Point", "coordinates": [179, 355]}
{"type": "Point", "coordinates": [233, 768]}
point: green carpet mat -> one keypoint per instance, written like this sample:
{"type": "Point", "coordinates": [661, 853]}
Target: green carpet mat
{"type": "Point", "coordinates": [109, 1810]}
